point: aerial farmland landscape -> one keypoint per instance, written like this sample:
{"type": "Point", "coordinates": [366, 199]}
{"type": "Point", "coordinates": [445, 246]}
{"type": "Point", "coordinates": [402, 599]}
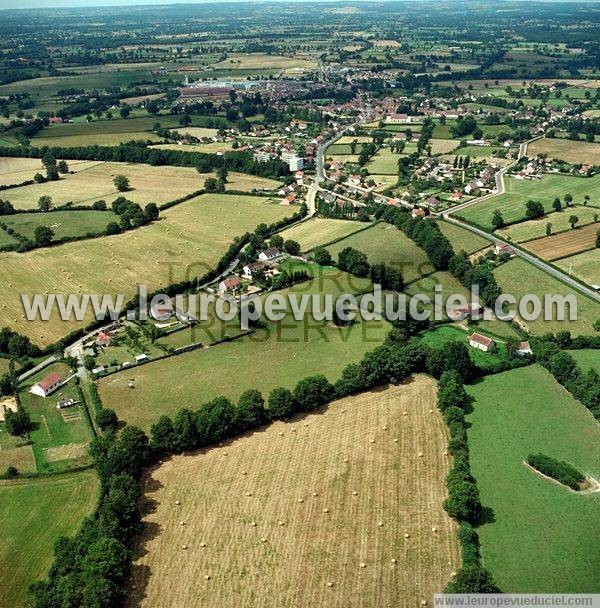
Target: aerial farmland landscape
{"type": "Point", "coordinates": [300, 303]}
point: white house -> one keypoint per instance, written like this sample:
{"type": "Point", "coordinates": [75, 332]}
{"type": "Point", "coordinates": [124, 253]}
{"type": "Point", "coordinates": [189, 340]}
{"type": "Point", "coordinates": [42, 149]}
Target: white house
{"type": "Point", "coordinates": [140, 358]}
{"type": "Point", "coordinates": [46, 386]}
{"type": "Point", "coordinates": [482, 342]}
{"type": "Point", "coordinates": [229, 284]}
{"type": "Point", "coordinates": [269, 254]}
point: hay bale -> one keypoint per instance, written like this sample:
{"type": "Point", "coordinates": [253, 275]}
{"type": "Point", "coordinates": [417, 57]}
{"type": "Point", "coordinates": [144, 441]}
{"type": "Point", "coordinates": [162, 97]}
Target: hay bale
{"type": "Point", "coordinates": [346, 460]}
{"type": "Point", "coordinates": [406, 535]}
{"type": "Point", "coordinates": [355, 493]}
{"type": "Point", "coordinates": [243, 472]}
{"type": "Point", "coordinates": [420, 454]}
{"type": "Point", "coordinates": [315, 494]}
{"type": "Point", "coordinates": [182, 523]}
{"type": "Point", "coordinates": [405, 413]}
{"type": "Point", "coordinates": [177, 502]}
{"type": "Point", "coordinates": [203, 545]}
{"type": "Point", "coordinates": [431, 411]}
{"type": "Point", "coordinates": [393, 560]}
{"type": "Point", "coordinates": [301, 500]}
{"type": "Point", "coordinates": [372, 441]}
{"type": "Point", "coordinates": [184, 547]}
{"type": "Point", "coordinates": [395, 440]}
{"type": "Point", "coordinates": [380, 524]}
{"type": "Point", "coordinates": [263, 540]}
{"type": "Point", "coordinates": [325, 510]}
{"type": "Point", "coordinates": [385, 428]}
{"type": "Point", "coordinates": [445, 453]}
{"type": "Point", "coordinates": [248, 493]}
{"type": "Point", "coordinates": [343, 411]}
{"type": "Point", "coordinates": [207, 577]}
{"type": "Point", "coordinates": [330, 584]}
{"type": "Point", "coordinates": [281, 523]}
{"type": "Point", "coordinates": [434, 529]}
{"type": "Point", "coordinates": [253, 524]}
{"type": "Point", "coordinates": [363, 565]}
{"type": "Point", "coordinates": [423, 602]}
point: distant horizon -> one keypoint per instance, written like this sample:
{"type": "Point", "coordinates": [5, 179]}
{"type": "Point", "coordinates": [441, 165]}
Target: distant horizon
{"type": "Point", "coordinates": [72, 4]}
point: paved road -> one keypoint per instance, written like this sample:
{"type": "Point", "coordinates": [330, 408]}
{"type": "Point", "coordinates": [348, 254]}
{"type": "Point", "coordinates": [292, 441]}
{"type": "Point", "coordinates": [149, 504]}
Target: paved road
{"type": "Point", "coordinates": [37, 368]}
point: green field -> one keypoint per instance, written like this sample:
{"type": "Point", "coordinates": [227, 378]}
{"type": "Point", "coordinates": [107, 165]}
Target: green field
{"type": "Point", "coordinates": [278, 355]}
{"type": "Point", "coordinates": [63, 223]}
{"type": "Point", "coordinates": [385, 243]}
{"type": "Point", "coordinates": [585, 266]}
{"type": "Point", "coordinates": [426, 286]}
{"type": "Point", "coordinates": [462, 239]}
{"type": "Point", "coordinates": [518, 192]}
{"type": "Point", "coordinates": [518, 278]}
{"type": "Point", "coordinates": [587, 359]}
{"type": "Point", "coordinates": [34, 513]}
{"type": "Point", "coordinates": [533, 229]}
{"type": "Point", "coordinates": [320, 231]}
{"type": "Point", "coordinates": [537, 534]}
{"type": "Point", "coordinates": [385, 162]}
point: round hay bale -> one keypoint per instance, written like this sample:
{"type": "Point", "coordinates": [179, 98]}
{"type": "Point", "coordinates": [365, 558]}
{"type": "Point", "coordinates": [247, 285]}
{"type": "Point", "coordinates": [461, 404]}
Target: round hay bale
{"type": "Point", "coordinates": [343, 411]}
{"type": "Point", "coordinates": [385, 428]}
{"type": "Point", "coordinates": [281, 523]}
{"type": "Point", "coordinates": [431, 411]}
{"type": "Point", "coordinates": [306, 424]}
{"type": "Point", "coordinates": [393, 560]}
{"type": "Point", "coordinates": [182, 523]}
{"type": "Point", "coordinates": [406, 535]}
{"type": "Point", "coordinates": [396, 440]}
{"type": "Point", "coordinates": [325, 510]}
{"type": "Point", "coordinates": [281, 434]}
{"type": "Point", "coordinates": [380, 524]}
{"type": "Point", "coordinates": [184, 547]}
{"type": "Point", "coordinates": [453, 573]}
{"type": "Point", "coordinates": [355, 493]}
{"type": "Point", "coordinates": [248, 493]}
{"type": "Point", "coordinates": [434, 529]}
{"type": "Point", "coordinates": [315, 494]}
{"type": "Point", "coordinates": [363, 565]}
{"type": "Point", "coordinates": [372, 441]}
{"type": "Point", "coordinates": [420, 454]}
{"type": "Point", "coordinates": [445, 453]}
{"type": "Point", "coordinates": [207, 577]}
{"type": "Point", "coordinates": [263, 540]}
{"type": "Point", "coordinates": [301, 500]}
{"type": "Point", "coordinates": [405, 413]}
{"type": "Point", "coordinates": [423, 602]}
{"type": "Point", "coordinates": [203, 545]}
{"type": "Point", "coordinates": [346, 460]}
{"type": "Point", "coordinates": [253, 524]}
{"type": "Point", "coordinates": [330, 584]}
{"type": "Point", "coordinates": [293, 430]}
{"type": "Point", "coordinates": [177, 502]}
{"type": "Point", "coordinates": [243, 472]}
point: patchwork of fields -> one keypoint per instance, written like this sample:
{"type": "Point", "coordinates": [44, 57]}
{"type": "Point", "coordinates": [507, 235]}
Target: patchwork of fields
{"type": "Point", "coordinates": [189, 240]}
{"type": "Point", "coordinates": [319, 231]}
{"type": "Point", "coordinates": [566, 149]}
{"type": "Point", "coordinates": [348, 530]}
{"type": "Point", "coordinates": [536, 534]}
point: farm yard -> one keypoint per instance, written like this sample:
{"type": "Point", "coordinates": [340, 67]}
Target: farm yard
{"type": "Point", "coordinates": [566, 149]}
{"type": "Point", "coordinates": [34, 514]}
{"type": "Point", "coordinates": [320, 231]}
{"type": "Point", "coordinates": [585, 266]}
{"type": "Point", "coordinates": [323, 520]}
{"type": "Point", "coordinates": [528, 549]}
{"type": "Point", "coordinates": [147, 183]}
{"type": "Point", "coordinates": [189, 239]}
{"type": "Point", "coordinates": [519, 278]}
{"type": "Point", "coordinates": [385, 243]}
{"type": "Point", "coordinates": [518, 192]}
{"type": "Point", "coordinates": [564, 244]}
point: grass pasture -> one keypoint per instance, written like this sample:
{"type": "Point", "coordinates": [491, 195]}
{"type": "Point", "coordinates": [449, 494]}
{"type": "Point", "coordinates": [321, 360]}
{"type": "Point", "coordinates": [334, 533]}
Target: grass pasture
{"type": "Point", "coordinates": [462, 239]}
{"type": "Point", "coordinates": [585, 266]}
{"type": "Point", "coordinates": [385, 162]}
{"type": "Point", "coordinates": [518, 192]}
{"type": "Point", "coordinates": [188, 240]}
{"type": "Point", "coordinates": [63, 223]}
{"type": "Point", "coordinates": [304, 458]}
{"type": "Point", "coordinates": [34, 513]}
{"type": "Point", "coordinates": [533, 229]}
{"type": "Point", "coordinates": [148, 185]}
{"type": "Point", "coordinates": [566, 149]}
{"type": "Point", "coordinates": [385, 243]}
{"type": "Point", "coordinates": [587, 359]}
{"type": "Point", "coordinates": [319, 231]}
{"type": "Point", "coordinates": [17, 170]}
{"type": "Point", "coordinates": [518, 278]}
{"type": "Point", "coordinates": [564, 244]}
{"type": "Point", "coordinates": [527, 541]}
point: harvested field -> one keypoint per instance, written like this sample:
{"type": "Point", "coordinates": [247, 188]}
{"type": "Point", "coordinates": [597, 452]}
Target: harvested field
{"type": "Point", "coordinates": [148, 185]}
{"type": "Point", "coordinates": [296, 475]}
{"type": "Point", "coordinates": [319, 231]}
{"type": "Point", "coordinates": [189, 239]}
{"type": "Point", "coordinates": [18, 170]}
{"type": "Point", "coordinates": [564, 244]}
{"type": "Point", "coordinates": [20, 457]}
{"type": "Point", "coordinates": [566, 149]}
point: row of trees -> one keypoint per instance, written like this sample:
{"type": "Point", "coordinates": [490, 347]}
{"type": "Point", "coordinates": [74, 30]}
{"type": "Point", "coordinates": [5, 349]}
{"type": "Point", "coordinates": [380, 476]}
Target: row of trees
{"type": "Point", "coordinates": [139, 152]}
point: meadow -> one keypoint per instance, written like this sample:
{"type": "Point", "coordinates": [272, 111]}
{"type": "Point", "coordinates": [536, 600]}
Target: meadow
{"type": "Point", "coordinates": [566, 149]}
{"type": "Point", "coordinates": [63, 223]}
{"type": "Point", "coordinates": [147, 185]}
{"type": "Point", "coordinates": [587, 359]}
{"type": "Point", "coordinates": [462, 239]}
{"type": "Point", "coordinates": [34, 514]}
{"type": "Point", "coordinates": [518, 192]}
{"type": "Point", "coordinates": [385, 243]}
{"type": "Point", "coordinates": [519, 278]}
{"type": "Point", "coordinates": [585, 266]}
{"type": "Point", "coordinates": [17, 170]}
{"type": "Point", "coordinates": [320, 231]}
{"type": "Point", "coordinates": [323, 520]}
{"type": "Point", "coordinates": [533, 229]}
{"type": "Point", "coordinates": [189, 240]}
{"type": "Point", "coordinates": [385, 162]}
{"type": "Point", "coordinates": [527, 540]}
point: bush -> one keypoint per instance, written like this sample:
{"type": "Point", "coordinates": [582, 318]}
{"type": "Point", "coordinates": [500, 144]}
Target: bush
{"type": "Point", "coordinates": [557, 469]}
{"type": "Point", "coordinates": [312, 392]}
{"type": "Point", "coordinates": [281, 404]}
{"type": "Point", "coordinates": [472, 578]}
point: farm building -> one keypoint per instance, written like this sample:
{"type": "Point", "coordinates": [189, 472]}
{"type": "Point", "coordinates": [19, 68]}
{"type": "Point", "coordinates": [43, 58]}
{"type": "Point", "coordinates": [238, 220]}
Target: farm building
{"type": "Point", "coordinates": [102, 339]}
{"type": "Point", "coordinates": [229, 284]}
{"type": "Point", "coordinates": [46, 386]}
{"type": "Point", "coordinates": [523, 348]}
{"type": "Point", "coordinates": [417, 213]}
{"type": "Point", "coordinates": [500, 248]}
{"type": "Point", "coordinates": [249, 269]}
{"type": "Point", "coordinates": [482, 342]}
{"type": "Point", "coordinates": [462, 312]}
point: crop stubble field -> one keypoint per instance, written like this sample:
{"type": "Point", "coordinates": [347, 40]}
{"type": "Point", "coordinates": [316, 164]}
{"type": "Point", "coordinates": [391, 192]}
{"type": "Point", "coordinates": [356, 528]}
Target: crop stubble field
{"type": "Point", "coordinates": [289, 461]}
